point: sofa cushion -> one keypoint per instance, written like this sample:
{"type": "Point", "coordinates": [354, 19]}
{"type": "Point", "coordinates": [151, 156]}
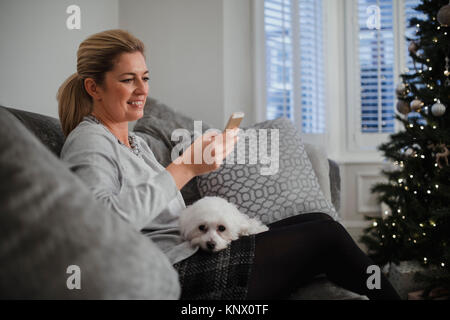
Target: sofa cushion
{"type": "Point", "coordinates": [46, 129]}
{"type": "Point", "coordinates": [271, 190]}
{"type": "Point", "coordinates": [49, 222]}
{"type": "Point", "coordinates": [156, 128]}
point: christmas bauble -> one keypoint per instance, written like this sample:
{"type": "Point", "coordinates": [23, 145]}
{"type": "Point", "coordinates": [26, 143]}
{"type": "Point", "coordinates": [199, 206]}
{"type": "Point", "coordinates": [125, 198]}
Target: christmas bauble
{"type": "Point", "coordinates": [443, 16]}
{"type": "Point", "coordinates": [403, 107]}
{"type": "Point", "coordinates": [438, 109]}
{"type": "Point", "coordinates": [416, 105]}
{"type": "Point", "coordinates": [400, 90]}
{"type": "Point", "coordinates": [413, 47]}
{"type": "Point", "coordinates": [409, 152]}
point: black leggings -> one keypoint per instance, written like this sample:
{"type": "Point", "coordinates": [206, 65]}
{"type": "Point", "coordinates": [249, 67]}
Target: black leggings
{"type": "Point", "coordinates": [298, 248]}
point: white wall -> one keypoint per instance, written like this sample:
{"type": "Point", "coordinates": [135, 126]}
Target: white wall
{"type": "Point", "coordinates": [359, 170]}
{"type": "Point", "coordinates": [38, 52]}
{"type": "Point", "coordinates": [198, 54]}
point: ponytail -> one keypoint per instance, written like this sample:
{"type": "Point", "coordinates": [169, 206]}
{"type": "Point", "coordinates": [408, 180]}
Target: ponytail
{"type": "Point", "coordinates": [74, 103]}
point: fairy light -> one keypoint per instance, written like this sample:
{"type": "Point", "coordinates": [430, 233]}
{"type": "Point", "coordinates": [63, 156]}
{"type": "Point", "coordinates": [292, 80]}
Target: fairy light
{"type": "Point", "coordinates": [374, 223]}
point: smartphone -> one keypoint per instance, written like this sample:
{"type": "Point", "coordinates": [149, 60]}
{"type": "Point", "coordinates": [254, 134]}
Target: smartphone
{"type": "Point", "coordinates": [235, 120]}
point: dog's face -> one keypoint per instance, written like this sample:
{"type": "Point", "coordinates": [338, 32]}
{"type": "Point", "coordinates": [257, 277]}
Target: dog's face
{"type": "Point", "coordinates": [212, 225]}
{"type": "Point", "coordinates": [211, 233]}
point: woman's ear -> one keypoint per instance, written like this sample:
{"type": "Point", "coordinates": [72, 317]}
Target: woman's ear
{"type": "Point", "coordinates": [92, 89]}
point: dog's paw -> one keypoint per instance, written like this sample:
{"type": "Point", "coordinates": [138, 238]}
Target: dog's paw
{"type": "Point", "coordinates": [255, 226]}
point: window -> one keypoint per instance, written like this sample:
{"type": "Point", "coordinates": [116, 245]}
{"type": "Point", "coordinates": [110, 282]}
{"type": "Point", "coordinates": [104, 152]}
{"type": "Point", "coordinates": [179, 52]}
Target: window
{"type": "Point", "coordinates": [376, 60]}
{"type": "Point", "coordinates": [293, 40]}
{"type": "Point", "coordinates": [377, 53]}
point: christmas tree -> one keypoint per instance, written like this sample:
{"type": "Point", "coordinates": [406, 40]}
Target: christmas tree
{"type": "Point", "coordinates": [416, 223]}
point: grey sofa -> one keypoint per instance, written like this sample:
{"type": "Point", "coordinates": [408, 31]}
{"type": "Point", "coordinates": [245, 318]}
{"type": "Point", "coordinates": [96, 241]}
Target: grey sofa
{"type": "Point", "coordinates": [48, 221]}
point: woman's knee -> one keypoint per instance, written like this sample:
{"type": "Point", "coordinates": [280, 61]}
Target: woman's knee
{"type": "Point", "coordinates": [323, 216]}
{"type": "Point", "coordinates": [336, 231]}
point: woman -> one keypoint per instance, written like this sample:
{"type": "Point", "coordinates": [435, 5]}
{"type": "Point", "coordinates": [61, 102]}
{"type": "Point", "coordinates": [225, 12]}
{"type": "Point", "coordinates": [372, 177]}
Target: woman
{"type": "Point", "coordinates": [95, 106]}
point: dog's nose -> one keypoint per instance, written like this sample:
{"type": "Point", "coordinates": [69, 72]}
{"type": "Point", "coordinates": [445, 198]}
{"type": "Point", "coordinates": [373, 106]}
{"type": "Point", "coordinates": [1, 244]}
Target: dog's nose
{"type": "Point", "coordinates": [210, 245]}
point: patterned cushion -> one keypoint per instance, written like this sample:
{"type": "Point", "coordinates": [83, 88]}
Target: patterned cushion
{"type": "Point", "coordinates": [290, 188]}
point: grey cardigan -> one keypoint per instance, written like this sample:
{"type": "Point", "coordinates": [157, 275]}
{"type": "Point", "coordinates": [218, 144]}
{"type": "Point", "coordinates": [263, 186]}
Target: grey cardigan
{"type": "Point", "coordinates": [137, 188]}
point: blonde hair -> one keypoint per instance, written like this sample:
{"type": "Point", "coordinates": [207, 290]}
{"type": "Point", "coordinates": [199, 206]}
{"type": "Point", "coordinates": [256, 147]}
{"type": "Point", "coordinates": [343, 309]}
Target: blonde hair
{"type": "Point", "coordinates": [96, 55]}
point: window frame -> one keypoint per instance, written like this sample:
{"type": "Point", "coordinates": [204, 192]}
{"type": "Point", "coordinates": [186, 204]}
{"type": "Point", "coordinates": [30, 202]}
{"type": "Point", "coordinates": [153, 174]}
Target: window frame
{"type": "Point", "coordinates": [358, 141]}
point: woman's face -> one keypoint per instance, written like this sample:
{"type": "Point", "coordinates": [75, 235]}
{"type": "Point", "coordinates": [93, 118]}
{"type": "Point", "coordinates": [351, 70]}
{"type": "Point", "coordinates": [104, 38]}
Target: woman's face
{"type": "Point", "coordinates": [125, 88]}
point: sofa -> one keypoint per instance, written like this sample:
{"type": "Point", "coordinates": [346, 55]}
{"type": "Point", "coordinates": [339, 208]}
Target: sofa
{"type": "Point", "coordinates": [49, 222]}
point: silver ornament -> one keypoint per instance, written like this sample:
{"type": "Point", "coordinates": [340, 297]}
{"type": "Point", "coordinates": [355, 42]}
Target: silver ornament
{"type": "Point", "coordinates": [443, 16]}
{"type": "Point", "coordinates": [413, 47]}
{"type": "Point", "coordinates": [416, 105]}
{"type": "Point", "coordinates": [409, 152]}
{"type": "Point", "coordinates": [438, 109]}
{"type": "Point", "coordinates": [400, 90]}
{"type": "Point", "coordinates": [403, 107]}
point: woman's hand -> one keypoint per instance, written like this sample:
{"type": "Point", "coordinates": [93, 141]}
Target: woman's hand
{"type": "Point", "coordinates": [205, 155]}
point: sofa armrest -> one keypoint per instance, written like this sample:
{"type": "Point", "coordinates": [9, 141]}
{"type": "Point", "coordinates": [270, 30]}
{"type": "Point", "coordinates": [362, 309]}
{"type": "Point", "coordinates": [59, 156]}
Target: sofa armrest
{"type": "Point", "coordinates": [335, 184]}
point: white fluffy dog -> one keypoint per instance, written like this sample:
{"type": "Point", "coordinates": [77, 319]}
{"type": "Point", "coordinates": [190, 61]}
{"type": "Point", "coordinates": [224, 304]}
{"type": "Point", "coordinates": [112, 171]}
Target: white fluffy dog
{"type": "Point", "coordinates": [212, 223]}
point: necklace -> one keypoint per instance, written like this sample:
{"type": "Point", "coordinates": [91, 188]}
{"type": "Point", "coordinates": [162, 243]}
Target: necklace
{"type": "Point", "coordinates": [131, 138]}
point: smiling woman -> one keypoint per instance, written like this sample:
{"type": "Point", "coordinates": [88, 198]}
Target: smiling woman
{"type": "Point", "coordinates": [96, 104]}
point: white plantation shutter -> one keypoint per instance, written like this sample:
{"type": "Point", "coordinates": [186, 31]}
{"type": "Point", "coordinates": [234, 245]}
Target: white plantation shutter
{"type": "Point", "coordinates": [377, 68]}
{"type": "Point", "coordinates": [311, 66]}
{"type": "Point", "coordinates": [278, 40]}
{"type": "Point", "coordinates": [294, 62]}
